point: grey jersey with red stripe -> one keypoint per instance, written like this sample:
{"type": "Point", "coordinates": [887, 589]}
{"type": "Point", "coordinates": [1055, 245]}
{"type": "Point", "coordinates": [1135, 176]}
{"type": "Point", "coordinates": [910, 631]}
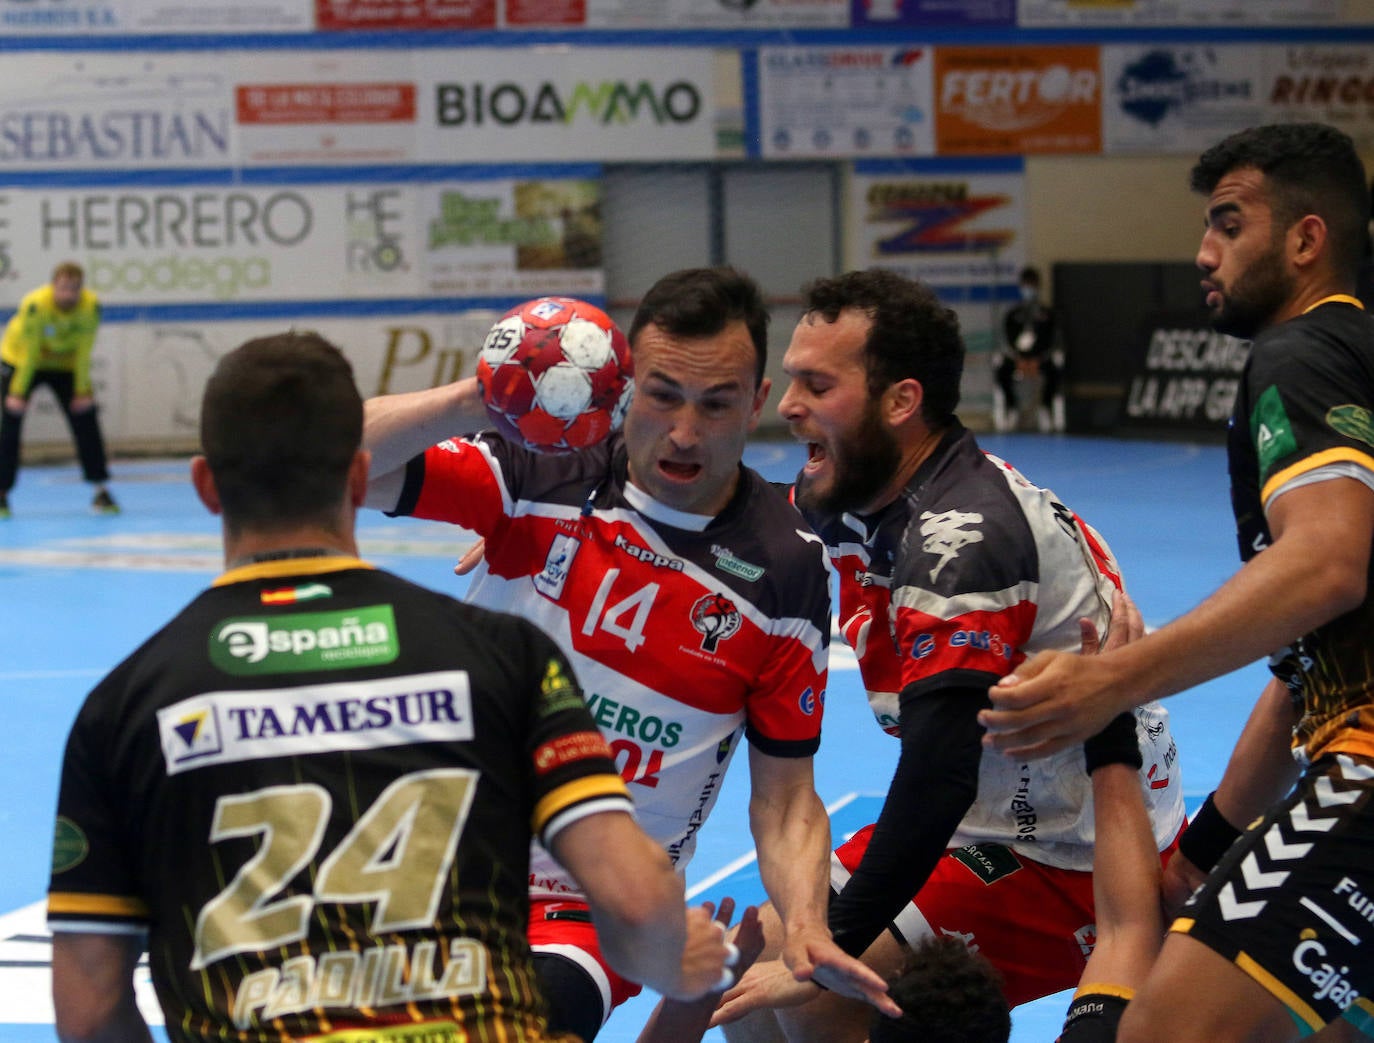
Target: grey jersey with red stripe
{"type": "Point", "coordinates": [957, 581]}
{"type": "Point", "coordinates": [684, 632]}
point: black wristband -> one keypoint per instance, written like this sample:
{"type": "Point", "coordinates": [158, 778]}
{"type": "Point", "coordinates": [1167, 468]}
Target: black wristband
{"type": "Point", "coordinates": [1207, 837]}
{"type": "Point", "coordinates": [1114, 744]}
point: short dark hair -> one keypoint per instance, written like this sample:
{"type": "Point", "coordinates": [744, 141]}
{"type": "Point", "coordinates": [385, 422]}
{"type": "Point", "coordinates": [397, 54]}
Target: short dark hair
{"type": "Point", "coordinates": [700, 302]}
{"type": "Point", "coordinates": [280, 422]}
{"type": "Point", "coordinates": [1030, 274]}
{"type": "Point", "coordinates": [1309, 168]}
{"type": "Point", "coordinates": [948, 994]}
{"type": "Point", "coordinates": [912, 335]}
{"type": "Point", "coordinates": [68, 270]}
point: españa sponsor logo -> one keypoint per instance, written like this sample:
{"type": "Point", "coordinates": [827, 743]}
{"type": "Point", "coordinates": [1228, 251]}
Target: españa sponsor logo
{"type": "Point", "coordinates": [232, 726]}
{"type": "Point", "coordinates": [305, 641]}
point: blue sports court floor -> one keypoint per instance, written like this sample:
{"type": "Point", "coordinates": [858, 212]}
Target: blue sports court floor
{"type": "Point", "coordinates": [78, 592]}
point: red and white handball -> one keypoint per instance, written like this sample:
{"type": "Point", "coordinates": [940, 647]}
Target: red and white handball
{"type": "Point", "coordinates": [555, 375]}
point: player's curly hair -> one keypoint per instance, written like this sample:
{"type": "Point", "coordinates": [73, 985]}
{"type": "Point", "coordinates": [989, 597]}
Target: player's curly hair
{"type": "Point", "coordinates": [1309, 168]}
{"type": "Point", "coordinates": [912, 334]}
{"type": "Point", "coordinates": [948, 994]}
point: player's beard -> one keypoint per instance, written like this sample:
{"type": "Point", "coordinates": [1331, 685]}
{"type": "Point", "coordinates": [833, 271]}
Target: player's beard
{"type": "Point", "coordinates": [862, 463]}
{"type": "Point", "coordinates": [1256, 295]}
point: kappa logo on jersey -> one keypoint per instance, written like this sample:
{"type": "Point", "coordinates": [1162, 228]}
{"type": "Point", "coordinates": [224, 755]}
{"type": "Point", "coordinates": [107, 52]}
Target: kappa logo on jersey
{"type": "Point", "coordinates": [649, 557]}
{"type": "Point", "coordinates": [945, 536]}
{"type": "Point", "coordinates": [557, 562]}
{"type": "Point", "coordinates": [229, 727]}
{"type": "Point", "coordinates": [716, 618]}
{"type": "Point", "coordinates": [306, 641]}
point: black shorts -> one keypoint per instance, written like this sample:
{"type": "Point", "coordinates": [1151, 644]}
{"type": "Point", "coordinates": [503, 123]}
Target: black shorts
{"type": "Point", "coordinates": [1292, 902]}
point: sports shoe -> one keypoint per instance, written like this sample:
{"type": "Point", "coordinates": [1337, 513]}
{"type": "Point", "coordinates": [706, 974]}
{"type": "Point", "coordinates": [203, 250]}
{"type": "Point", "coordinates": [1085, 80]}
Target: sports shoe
{"type": "Point", "coordinates": [104, 503]}
{"type": "Point", "coordinates": [4, 506]}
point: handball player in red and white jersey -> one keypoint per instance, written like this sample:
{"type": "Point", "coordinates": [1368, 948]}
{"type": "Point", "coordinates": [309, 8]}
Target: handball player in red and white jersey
{"type": "Point", "coordinates": [952, 569]}
{"type": "Point", "coordinates": [687, 592]}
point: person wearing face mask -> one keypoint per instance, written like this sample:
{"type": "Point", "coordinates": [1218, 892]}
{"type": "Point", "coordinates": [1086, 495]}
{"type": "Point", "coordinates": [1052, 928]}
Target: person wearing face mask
{"type": "Point", "coordinates": [1028, 350]}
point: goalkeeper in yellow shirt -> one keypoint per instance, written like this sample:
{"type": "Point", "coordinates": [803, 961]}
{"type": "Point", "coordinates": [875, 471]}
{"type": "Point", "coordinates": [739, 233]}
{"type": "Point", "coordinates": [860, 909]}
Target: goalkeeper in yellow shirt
{"type": "Point", "coordinates": [49, 341]}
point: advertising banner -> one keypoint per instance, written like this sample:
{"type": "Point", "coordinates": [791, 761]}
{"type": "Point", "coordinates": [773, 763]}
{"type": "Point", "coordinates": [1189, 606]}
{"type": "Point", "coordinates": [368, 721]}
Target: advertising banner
{"type": "Point", "coordinates": [1328, 83]}
{"type": "Point", "coordinates": [102, 111]}
{"type": "Point", "coordinates": [1187, 375]}
{"type": "Point", "coordinates": [58, 17]}
{"type": "Point", "coordinates": [960, 231]}
{"type": "Point", "coordinates": [1177, 12]}
{"type": "Point", "coordinates": [498, 237]}
{"type": "Point", "coordinates": [680, 14]}
{"type": "Point", "coordinates": [346, 107]}
{"type": "Point", "coordinates": [149, 377]}
{"type": "Point", "coordinates": [1178, 98]}
{"type": "Point", "coordinates": [214, 244]}
{"type": "Point", "coordinates": [507, 237]}
{"type": "Point", "coordinates": [405, 14]}
{"type": "Point", "coordinates": [845, 101]}
{"type": "Point", "coordinates": [916, 13]}
{"type": "Point", "coordinates": [1010, 100]}
{"type": "Point", "coordinates": [566, 105]}
{"type": "Point", "coordinates": [1183, 98]}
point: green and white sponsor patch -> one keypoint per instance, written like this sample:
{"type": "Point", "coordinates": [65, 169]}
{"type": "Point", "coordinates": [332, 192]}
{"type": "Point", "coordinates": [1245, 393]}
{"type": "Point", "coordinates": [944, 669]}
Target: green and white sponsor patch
{"type": "Point", "coordinates": [304, 641]}
{"type": "Point", "coordinates": [1271, 430]}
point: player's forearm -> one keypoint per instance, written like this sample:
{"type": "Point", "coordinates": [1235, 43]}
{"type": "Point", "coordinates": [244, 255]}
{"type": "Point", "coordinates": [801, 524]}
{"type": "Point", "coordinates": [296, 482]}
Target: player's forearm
{"type": "Point", "coordinates": [934, 785]}
{"type": "Point", "coordinates": [1126, 872]}
{"type": "Point", "coordinates": [792, 838]}
{"type": "Point", "coordinates": [642, 930]}
{"type": "Point", "coordinates": [1261, 769]}
{"type": "Point", "coordinates": [398, 427]}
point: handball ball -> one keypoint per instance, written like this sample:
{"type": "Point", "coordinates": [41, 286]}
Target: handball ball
{"type": "Point", "coordinates": [555, 375]}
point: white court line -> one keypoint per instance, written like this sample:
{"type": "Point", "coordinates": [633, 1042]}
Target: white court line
{"type": "Point", "coordinates": [733, 867]}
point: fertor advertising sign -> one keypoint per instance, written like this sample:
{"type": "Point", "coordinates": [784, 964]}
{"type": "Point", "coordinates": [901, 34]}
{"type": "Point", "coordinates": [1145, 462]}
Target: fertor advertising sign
{"type": "Point", "coordinates": [1009, 100]}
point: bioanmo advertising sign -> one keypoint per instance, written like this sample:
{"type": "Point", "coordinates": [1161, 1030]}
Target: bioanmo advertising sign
{"type": "Point", "coordinates": [598, 104]}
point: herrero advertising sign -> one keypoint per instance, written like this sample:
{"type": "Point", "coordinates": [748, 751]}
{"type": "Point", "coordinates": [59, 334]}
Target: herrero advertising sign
{"type": "Point", "coordinates": [1186, 375]}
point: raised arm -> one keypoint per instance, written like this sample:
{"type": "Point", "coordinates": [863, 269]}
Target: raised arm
{"type": "Point", "coordinates": [399, 427]}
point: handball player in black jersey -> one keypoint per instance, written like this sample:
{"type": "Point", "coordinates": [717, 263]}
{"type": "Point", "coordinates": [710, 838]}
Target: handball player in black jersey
{"type": "Point", "coordinates": [310, 796]}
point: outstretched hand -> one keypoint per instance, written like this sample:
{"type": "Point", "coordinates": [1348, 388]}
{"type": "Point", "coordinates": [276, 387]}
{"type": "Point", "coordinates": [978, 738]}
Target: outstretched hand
{"type": "Point", "coordinates": [814, 957]}
{"type": "Point", "coordinates": [1057, 699]}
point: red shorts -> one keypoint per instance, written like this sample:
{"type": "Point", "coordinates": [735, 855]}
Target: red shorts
{"type": "Point", "coordinates": [1033, 921]}
{"type": "Point", "coordinates": [563, 927]}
